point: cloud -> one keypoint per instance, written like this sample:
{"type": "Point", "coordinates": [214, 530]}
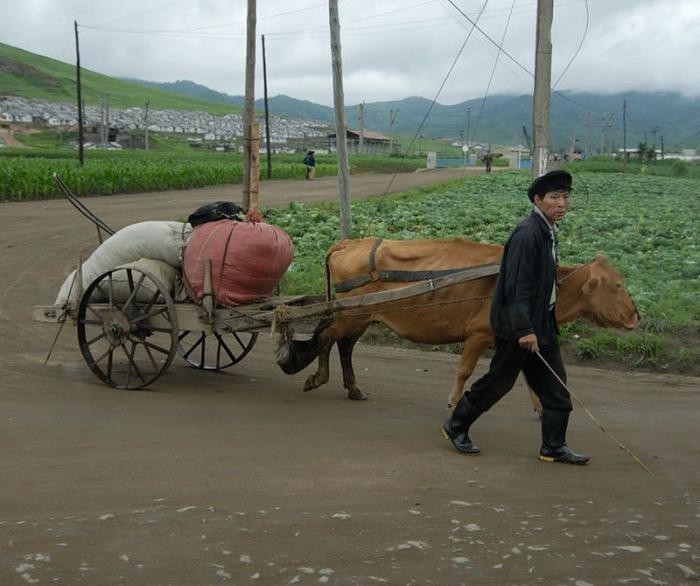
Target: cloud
{"type": "Point", "coordinates": [391, 49]}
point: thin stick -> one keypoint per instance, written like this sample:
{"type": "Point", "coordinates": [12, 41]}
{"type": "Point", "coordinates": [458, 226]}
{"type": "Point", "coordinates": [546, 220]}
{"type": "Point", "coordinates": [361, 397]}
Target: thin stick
{"type": "Point", "coordinates": [62, 321]}
{"type": "Point", "coordinates": [580, 403]}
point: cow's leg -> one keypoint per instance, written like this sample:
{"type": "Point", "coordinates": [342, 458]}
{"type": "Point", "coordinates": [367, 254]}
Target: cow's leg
{"type": "Point", "coordinates": [474, 345]}
{"type": "Point", "coordinates": [345, 348]}
{"type": "Point", "coordinates": [336, 332]}
{"type": "Point", "coordinates": [322, 374]}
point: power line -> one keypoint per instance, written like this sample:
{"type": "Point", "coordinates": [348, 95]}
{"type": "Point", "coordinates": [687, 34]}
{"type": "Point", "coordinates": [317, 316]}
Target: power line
{"type": "Point", "coordinates": [583, 38]}
{"type": "Point", "coordinates": [437, 95]}
{"type": "Point", "coordinates": [507, 54]}
{"type": "Point", "coordinates": [493, 72]}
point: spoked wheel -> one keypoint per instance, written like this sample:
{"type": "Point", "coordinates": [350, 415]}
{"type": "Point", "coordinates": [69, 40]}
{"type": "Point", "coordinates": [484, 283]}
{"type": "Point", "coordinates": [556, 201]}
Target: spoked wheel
{"type": "Point", "coordinates": [214, 350]}
{"type": "Point", "coordinates": [127, 328]}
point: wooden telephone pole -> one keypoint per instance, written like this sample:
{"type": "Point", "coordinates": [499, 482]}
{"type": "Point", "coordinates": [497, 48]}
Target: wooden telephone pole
{"type": "Point", "coordinates": [267, 113]}
{"type": "Point", "coordinates": [361, 119]}
{"type": "Point", "coordinates": [624, 136]}
{"type": "Point", "coordinates": [81, 156]}
{"type": "Point", "coordinates": [340, 128]}
{"type": "Point", "coordinates": [249, 110]}
{"type": "Point", "coordinates": [543, 82]}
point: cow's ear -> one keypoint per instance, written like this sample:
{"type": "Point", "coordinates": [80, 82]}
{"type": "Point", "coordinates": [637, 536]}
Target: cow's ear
{"type": "Point", "coordinates": [591, 285]}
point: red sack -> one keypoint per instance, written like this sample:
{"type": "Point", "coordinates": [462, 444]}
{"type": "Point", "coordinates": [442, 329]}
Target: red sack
{"type": "Point", "coordinates": [247, 260]}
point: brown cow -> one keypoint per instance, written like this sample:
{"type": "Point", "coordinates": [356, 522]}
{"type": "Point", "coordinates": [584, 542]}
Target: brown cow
{"type": "Point", "coordinates": [459, 313]}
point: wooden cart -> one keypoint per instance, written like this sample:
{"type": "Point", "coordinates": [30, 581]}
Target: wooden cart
{"type": "Point", "coordinates": [130, 329]}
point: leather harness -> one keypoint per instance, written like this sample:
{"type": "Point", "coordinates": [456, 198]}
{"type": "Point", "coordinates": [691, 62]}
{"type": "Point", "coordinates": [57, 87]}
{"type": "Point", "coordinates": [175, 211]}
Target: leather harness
{"type": "Point", "coordinates": [391, 275]}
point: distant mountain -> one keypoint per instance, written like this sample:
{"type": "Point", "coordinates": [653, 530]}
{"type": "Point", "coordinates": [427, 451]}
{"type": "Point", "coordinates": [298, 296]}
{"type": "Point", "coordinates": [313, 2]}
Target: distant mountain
{"type": "Point", "coordinates": [575, 117]}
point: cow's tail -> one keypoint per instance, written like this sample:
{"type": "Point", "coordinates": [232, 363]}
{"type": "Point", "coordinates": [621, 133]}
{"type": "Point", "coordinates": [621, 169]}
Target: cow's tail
{"type": "Point", "coordinates": [327, 269]}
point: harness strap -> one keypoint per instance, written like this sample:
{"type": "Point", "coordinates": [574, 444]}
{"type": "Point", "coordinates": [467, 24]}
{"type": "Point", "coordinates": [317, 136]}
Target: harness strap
{"type": "Point", "coordinates": [396, 277]}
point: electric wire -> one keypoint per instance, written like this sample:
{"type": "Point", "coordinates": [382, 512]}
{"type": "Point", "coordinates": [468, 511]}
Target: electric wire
{"type": "Point", "coordinates": [493, 72]}
{"type": "Point", "coordinates": [437, 95]}
{"type": "Point", "coordinates": [583, 38]}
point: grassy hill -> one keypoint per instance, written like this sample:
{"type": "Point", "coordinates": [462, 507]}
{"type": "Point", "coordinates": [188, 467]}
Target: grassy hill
{"type": "Point", "coordinates": [33, 76]}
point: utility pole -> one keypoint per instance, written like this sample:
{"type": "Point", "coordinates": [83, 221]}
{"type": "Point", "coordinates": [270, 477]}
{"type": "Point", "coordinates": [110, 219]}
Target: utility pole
{"type": "Point", "coordinates": [361, 118]}
{"type": "Point", "coordinates": [543, 82]}
{"type": "Point", "coordinates": [81, 157]}
{"type": "Point", "coordinates": [107, 118]}
{"type": "Point", "coordinates": [340, 129]}
{"type": "Point", "coordinates": [267, 114]}
{"type": "Point", "coordinates": [602, 134]}
{"type": "Point", "coordinates": [392, 119]}
{"type": "Point", "coordinates": [469, 116]}
{"type": "Point", "coordinates": [103, 137]}
{"type": "Point", "coordinates": [661, 138]}
{"type": "Point", "coordinates": [624, 136]}
{"type": "Point", "coordinates": [145, 126]}
{"type": "Point", "coordinates": [611, 125]}
{"type": "Point", "coordinates": [249, 109]}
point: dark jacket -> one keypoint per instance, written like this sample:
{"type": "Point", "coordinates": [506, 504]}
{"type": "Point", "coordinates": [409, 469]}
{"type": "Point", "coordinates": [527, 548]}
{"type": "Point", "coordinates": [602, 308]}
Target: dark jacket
{"type": "Point", "coordinates": [524, 287]}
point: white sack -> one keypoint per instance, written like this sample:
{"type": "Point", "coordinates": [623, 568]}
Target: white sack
{"type": "Point", "coordinates": [157, 240]}
{"type": "Point", "coordinates": [166, 275]}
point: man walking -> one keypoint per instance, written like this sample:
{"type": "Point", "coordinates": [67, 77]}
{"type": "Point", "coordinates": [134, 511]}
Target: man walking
{"type": "Point", "coordinates": [523, 319]}
{"type": "Point", "coordinates": [310, 163]}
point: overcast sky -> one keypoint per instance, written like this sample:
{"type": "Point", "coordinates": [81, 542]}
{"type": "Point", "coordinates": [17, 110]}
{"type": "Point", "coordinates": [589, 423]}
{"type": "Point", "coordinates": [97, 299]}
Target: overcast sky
{"type": "Point", "coordinates": [391, 49]}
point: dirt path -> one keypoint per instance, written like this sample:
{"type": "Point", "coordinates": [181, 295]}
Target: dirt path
{"type": "Point", "coordinates": [239, 477]}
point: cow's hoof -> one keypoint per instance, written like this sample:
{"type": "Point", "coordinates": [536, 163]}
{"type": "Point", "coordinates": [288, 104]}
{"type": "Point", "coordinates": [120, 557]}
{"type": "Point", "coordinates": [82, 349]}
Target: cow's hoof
{"type": "Point", "coordinates": [357, 395]}
{"type": "Point", "coordinates": [452, 401]}
{"type": "Point", "coordinates": [311, 383]}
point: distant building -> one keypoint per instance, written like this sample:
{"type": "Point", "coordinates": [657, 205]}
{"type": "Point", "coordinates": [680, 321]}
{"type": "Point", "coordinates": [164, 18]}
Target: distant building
{"type": "Point", "coordinates": [374, 142]}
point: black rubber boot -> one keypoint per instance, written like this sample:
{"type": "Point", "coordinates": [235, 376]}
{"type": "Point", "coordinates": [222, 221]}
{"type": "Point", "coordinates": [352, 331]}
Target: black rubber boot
{"type": "Point", "coordinates": [456, 428]}
{"type": "Point", "coordinates": [554, 448]}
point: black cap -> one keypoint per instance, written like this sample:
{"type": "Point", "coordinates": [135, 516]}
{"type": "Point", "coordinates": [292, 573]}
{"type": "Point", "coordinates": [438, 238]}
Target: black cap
{"type": "Point", "coordinates": [552, 181]}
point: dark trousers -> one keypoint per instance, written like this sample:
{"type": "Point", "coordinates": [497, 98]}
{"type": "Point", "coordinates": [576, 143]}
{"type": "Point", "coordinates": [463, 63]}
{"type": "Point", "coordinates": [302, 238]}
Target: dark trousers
{"type": "Point", "coordinates": [508, 362]}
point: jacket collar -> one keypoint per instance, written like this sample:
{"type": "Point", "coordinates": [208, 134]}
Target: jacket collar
{"type": "Point", "coordinates": [537, 213]}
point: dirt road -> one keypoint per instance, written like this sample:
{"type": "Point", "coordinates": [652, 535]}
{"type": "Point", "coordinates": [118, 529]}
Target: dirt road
{"type": "Point", "coordinates": [240, 478]}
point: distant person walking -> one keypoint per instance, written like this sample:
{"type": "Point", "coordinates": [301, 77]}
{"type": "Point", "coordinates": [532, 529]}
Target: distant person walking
{"type": "Point", "coordinates": [488, 159]}
{"type": "Point", "coordinates": [310, 163]}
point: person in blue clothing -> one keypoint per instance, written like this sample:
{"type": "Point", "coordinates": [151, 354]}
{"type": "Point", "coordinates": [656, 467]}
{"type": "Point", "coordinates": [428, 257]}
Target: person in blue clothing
{"type": "Point", "coordinates": [310, 162]}
{"type": "Point", "coordinates": [523, 319]}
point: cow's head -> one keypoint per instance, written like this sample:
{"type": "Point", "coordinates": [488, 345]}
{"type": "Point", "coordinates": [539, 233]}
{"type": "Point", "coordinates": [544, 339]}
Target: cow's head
{"type": "Point", "coordinates": [606, 301]}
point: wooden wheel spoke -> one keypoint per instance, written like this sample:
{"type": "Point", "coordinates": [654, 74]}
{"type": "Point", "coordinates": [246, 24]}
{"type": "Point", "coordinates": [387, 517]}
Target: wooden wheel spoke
{"type": "Point", "coordinates": [222, 344]}
{"type": "Point", "coordinates": [97, 338]}
{"type": "Point", "coordinates": [194, 346]}
{"type": "Point", "coordinates": [238, 339]}
{"type": "Point", "coordinates": [96, 361]}
{"type": "Point", "coordinates": [146, 316]}
{"type": "Point", "coordinates": [132, 363]}
{"type": "Point", "coordinates": [151, 358]}
{"type": "Point", "coordinates": [134, 289]}
{"type": "Point", "coordinates": [152, 301]}
{"type": "Point", "coordinates": [155, 347]}
{"type": "Point", "coordinates": [110, 363]}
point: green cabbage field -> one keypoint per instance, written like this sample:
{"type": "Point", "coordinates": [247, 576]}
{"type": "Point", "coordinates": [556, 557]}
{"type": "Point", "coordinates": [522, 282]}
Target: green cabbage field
{"type": "Point", "coordinates": [646, 225]}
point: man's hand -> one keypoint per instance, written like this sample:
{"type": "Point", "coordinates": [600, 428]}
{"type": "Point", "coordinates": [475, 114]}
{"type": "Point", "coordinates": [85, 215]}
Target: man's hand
{"type": "Point", "coordinates": [529, 342]}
